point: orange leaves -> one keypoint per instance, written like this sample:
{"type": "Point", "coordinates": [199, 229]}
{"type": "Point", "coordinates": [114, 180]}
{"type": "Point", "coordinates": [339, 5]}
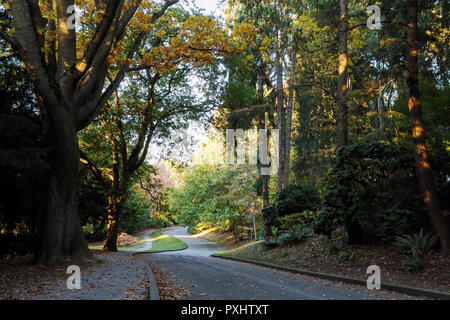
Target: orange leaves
{"type": "Point", "coordinates": [243, 36]}
{"type": "Point", "coordinates": [199, 41]}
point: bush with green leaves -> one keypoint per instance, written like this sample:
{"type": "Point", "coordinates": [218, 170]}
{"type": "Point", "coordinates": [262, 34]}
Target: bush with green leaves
{"type": "Point", "coordinates": [297, 234]}
{"type": "Point", "coordinates": [295, 202]}
{"type": "Point", "coordinates": [416, 248]}
{"type": "Point", "coordinates": [348, 255]}
{"type": "Point", "coordinates": [297, 198]}
{"type": "Point", "coordinates": [215, 196]}
{"type": "Point", "coordinates": [135, 215]}
{"type": "Point", "coordinates": [274, 240]}
{"type": "Point", "coordinates": [373, 192]}
{"type": "Point", "coordinates": [303, 218]}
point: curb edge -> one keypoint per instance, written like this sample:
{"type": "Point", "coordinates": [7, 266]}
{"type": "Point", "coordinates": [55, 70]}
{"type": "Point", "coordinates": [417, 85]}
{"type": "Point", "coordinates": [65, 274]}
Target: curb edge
{"type": "Point", "coordinates": [385, 286]}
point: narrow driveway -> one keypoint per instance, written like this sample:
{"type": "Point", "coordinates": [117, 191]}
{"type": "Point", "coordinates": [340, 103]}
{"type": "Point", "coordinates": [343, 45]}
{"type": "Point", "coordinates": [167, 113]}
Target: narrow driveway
{"type": "Point", "coordinates": [212, 278]}
{"type": "Point", "coordinates": [147, 241]}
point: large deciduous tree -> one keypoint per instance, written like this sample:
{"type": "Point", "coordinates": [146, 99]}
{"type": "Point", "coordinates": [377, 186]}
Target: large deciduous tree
{"type": "Point", "coordinates": [157, 100]}
{"type": "Point", "coordinates": [69, 80]}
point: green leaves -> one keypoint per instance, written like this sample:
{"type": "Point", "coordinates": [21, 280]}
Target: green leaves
{"type": "Point", "coordinates": [415, 248]}
{"type": "Point", "coordinates": [214, 196]}
{"type": "Point", "coordinates": [372, 190]}
{"type": "Point", "coordinates": [418, 243]}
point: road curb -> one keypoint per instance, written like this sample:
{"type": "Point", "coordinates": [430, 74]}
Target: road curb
{"type": "Point", "coordinates": [153, 290]}
{"type": "Point", "coordinates": [384, 285]}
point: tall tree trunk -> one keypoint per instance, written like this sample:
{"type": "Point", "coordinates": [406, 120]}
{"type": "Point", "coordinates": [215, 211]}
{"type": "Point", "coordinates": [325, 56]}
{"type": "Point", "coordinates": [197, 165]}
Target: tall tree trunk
{"type": "Point", "coordinates": [342, 120]}
{"type": "Point", "coordinates": [115, 201]}
{"type": "Point", "coordinates": [262, 126]}
{"type": "Point", "coordinates": [280, 114]}
{"type": "Point", "coordinates": [380, 102]}
{"type": "Point", "coordinates": [381, 112]}
{"type": "Point", "coordinates": [289, 118]}
{"type": "Point", "coordinates": [438, 220]}
{"type": "Point", "coordinates": [61, 234]}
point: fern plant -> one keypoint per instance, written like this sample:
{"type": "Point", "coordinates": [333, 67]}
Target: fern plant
{"type": "Point", "coordinates": [348, 255]}
{"type": "Point", "coordinates": [274, 240]}
{"type": "Point", "coordinates": [414, 262]}
{"type": "Point", "coordinates": [415, 248]}
{"type": "Point", "coordinates": [420, 243]}
{"type": "Point", "coordinates": [271, 243]}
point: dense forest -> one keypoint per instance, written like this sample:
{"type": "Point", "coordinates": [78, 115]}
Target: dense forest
{"type": "Point", "coordinates": [351, 97]}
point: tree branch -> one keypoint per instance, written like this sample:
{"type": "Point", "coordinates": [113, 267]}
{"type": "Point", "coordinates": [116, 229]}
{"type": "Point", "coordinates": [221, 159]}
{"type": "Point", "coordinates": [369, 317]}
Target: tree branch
{"type": "Point", "coordinates": [317, 86]}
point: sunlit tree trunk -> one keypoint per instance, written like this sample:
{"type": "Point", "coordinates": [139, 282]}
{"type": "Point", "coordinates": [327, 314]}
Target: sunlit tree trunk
{"type": "Point", "coordinates": [438, 220]}
{"type": "Point", "coordinates": [342, 120]}
{"type": "Point", "coordinates": [112, 227]}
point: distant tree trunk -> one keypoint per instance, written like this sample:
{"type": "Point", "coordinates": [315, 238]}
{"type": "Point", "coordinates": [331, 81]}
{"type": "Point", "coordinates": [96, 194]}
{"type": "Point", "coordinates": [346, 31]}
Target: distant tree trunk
{"type": "Point", "coordinates": [342, 120]}
{"type": "Point", "coordinates": [289, 119]}
{"type": "Point", "coordinates": [280, 114]}
{"type": "Point", "coordinates": [381, 112]}
{"type": "Point", "coordinates": [262, 126]}
{"type": "Point", "coordinates": [380, 102]}
{"type": "Point", "coordinates": [235, 231]}
{"type": "Point", "coordinates": [115, 201]}
{"type": "Point", "coordinates": [438, 220]}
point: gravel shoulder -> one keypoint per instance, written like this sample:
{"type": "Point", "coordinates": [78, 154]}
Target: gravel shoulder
{"type": "Point", "coordinates": [116, 276]}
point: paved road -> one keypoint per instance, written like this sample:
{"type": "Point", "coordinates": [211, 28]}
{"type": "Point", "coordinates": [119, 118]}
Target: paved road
{"type": "Point", "coordinates": [148, 242]}
{"type": "Point", "coordinates": [211, 278]}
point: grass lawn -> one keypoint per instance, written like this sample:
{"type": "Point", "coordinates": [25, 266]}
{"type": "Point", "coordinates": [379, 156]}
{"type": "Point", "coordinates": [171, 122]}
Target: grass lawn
{"type": "Point", "coordinates": [160, 242]}
{"type": "Point", "coordinates": [139, 245]}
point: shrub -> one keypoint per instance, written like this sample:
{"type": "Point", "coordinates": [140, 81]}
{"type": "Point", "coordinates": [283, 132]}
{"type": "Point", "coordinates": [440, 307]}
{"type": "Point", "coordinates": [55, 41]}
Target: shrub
{"type": "Point", "coordinates": [125, 240]}
{"type": "Point", "coordinates": [274, 240]}
{"type": "Point", "coordinates": [348, 255]}
{"type": "Point", "coordinates": [416, 247]}
{"type": "Point", "coordinates": [297, 198]}
{"type": "Point", "coordinates": [414, 263]}
{"type": "Point", "coordinates": [135, 214]}
{"type": "Point", "coordinates": [373, 192]}
{"type": "Point", "coordinates": [297, 234]}
{"type": "Point", "coordinates": [300, 200]}
{"type": "Point", "coordinates": [420, 243]}
{"type": "Point", "coordinates": [271, 243]}
{"type": "Point", "coordinates": [302, 218]}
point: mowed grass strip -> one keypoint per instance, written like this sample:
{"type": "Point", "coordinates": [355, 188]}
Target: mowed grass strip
{"type": "Point", "coordinates": [139, 245]}
{"type": "Point", "coordinates": [160, 242]}
{"type": "Point", "coordinates": [163, 242]}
